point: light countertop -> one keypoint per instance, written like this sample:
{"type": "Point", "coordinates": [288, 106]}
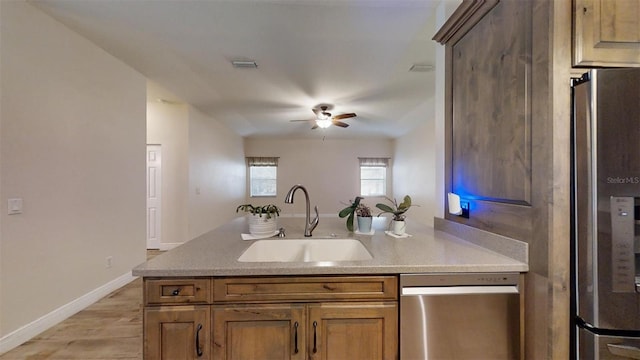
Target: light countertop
{"type": "Point", "coordinates": [427, 250]}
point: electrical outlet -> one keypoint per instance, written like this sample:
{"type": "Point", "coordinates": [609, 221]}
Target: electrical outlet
{"type": "Point", "coordinates": [15, 206]}
{"type": "Point", "coordinates": [109, 261]}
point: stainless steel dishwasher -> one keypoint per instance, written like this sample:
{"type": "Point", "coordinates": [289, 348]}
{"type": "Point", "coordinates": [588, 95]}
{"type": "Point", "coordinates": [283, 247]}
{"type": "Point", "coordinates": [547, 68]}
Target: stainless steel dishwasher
{"type": "Point", "coordinates": [460, 316]}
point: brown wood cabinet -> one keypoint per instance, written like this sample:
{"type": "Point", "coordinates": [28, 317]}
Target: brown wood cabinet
{"type": "Point", "coordinates": [606, 33]}
{"type": "Point", "coordinates": [362, 330]}
{"type": "Point", "coordinates": [177, 291]}
{"type": "Point", "coordinates": [177, 319]}
{"type": "Point", "coordinates": [276, 331]}
{"type": "Point", "coordinates": [353, 331]}
{"type": "Point", "coordinates": [314, 317]}
{"type": "Point", "coordinates": [489, 119]}
{"type": "Point", "coordinates": [177, 332]}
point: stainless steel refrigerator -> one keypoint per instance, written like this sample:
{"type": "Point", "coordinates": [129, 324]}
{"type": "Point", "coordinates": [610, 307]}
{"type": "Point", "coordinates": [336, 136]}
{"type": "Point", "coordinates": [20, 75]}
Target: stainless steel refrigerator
{"type": "Point", "coordinates": [606, 215]}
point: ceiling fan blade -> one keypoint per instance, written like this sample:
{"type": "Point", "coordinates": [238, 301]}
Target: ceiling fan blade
{"type": "Point", "coordinates": [316, 111]}
{"type": "Point", "coordinates": [340, 123]}
{"type": "Point", "coordinates": [299, 120]}
{"type": "Point", "coordinates": [315, 126]}
{"type": "Point", "coordinates": [344, 116]}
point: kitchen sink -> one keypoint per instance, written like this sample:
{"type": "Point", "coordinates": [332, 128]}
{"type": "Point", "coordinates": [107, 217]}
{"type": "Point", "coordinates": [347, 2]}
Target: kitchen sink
{"type": "Point", "coordinates": [305, 250]}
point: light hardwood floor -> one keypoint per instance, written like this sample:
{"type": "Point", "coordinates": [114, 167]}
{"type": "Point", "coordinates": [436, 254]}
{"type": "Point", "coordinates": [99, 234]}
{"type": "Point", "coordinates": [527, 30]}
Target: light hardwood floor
{"type": "Point", "coordinates": [109, 329]}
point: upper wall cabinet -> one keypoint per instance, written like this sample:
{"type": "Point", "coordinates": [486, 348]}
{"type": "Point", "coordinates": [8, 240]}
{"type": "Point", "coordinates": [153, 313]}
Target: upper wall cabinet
{"type": "Point", "coordinates": [495, 131]}
{"type": "Point", "coordinates": [491, 124]}
{"type": "Point", "coordinates": [606, 33]}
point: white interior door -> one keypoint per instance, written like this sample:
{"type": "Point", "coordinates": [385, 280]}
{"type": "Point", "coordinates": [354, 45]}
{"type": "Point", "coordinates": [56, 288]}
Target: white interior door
{"type": "Point", "coordinates": [154, 195]}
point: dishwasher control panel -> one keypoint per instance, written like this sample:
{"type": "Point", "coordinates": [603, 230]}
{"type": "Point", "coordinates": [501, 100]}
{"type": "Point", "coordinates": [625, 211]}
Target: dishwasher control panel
{"type": "Point", "coordinates": [459, 279]}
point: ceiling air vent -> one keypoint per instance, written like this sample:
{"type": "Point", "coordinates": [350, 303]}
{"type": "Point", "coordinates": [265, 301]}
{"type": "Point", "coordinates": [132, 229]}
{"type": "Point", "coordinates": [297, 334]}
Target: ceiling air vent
{"type": "Point", "coordinates": [420, 68]}
{"type": "Point", "coordinates": [244, 64]}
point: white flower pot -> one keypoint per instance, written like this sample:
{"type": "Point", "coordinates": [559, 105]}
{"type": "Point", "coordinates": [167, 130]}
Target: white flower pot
{"type": "Point", "coordinates": [261, 226]}
{"type": "Point", "coordinates": [364, 224]}
{"type": "Point", "coordinates": [398, 227]}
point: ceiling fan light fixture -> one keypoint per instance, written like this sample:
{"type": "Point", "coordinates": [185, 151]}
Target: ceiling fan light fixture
{"type": "Point", "coordinates": [323, 123]}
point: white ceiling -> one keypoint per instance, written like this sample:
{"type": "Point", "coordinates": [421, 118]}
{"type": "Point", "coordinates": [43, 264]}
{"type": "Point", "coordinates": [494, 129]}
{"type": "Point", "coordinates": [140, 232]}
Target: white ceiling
{"type": "Point", "coordinates": [354, 54]}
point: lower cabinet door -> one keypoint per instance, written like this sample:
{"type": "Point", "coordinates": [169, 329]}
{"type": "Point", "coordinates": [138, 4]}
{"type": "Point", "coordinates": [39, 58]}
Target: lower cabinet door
{"type": "Point", "coordinates": [355, 331]}
{"type": "Point", "coordinates": [177, 332]}
{"type": "Point", "coordinates": [259, 332]}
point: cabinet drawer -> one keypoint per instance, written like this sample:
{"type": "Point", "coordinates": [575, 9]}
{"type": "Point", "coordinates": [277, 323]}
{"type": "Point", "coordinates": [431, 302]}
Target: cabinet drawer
{"type": "Point", "coordinates": [267, 289]}
{"type": "Point", "coordinates": [177, 291]}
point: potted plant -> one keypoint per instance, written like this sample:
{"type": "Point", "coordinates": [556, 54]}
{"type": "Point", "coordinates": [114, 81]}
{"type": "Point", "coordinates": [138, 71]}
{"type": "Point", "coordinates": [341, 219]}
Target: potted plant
{"type": "Point", "coordinates": [398, 211]}
{"type": "Point", "coordinates": [262, 219]}
{"type": "Point", "coordinates": [350, 211]}
{"type": "Point", "coordinates": [364, 218]}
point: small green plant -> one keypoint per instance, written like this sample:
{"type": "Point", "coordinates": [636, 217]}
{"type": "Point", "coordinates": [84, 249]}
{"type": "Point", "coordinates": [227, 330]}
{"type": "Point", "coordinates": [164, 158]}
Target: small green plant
{"type": "Point", "coordinates": [268, 210]}
{"type": "Point", "coordinates": [350, 211]}
{"type": "Point", "coordinates": [397, 210]}
{"type": "Point", "coordinates": [363, 210]}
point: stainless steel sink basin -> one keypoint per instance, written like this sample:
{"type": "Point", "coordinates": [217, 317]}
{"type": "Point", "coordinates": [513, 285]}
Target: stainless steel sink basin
{"type": "Point", "coordinates": [305, 250]}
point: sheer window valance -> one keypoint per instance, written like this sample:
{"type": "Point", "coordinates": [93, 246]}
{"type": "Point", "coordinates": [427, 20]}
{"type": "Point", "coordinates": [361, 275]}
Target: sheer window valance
{"type": "Point", "coordinates": [371, 161]}
{"type": "Point", "coordinates": [262, 161]}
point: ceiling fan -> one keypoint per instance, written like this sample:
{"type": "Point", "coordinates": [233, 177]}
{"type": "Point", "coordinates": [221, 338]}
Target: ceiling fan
{"type": "Point", "coordinates": [324, 119]}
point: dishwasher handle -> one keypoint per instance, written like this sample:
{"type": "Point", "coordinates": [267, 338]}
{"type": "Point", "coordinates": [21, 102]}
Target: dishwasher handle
{"type": "Point", "coordinates": [459, 290]}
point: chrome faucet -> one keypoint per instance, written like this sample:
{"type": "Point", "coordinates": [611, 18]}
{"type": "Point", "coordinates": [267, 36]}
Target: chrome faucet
{"type": "Point", "coordinates": [309, 225]}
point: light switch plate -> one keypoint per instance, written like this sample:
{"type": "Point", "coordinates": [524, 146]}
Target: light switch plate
{"type": "Point", "coordinates": [15, 206]}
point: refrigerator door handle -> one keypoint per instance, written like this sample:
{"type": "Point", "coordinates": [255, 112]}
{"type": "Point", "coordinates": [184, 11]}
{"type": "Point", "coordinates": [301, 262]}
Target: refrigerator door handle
{"type": "Point", "coordinates": [626, 351]}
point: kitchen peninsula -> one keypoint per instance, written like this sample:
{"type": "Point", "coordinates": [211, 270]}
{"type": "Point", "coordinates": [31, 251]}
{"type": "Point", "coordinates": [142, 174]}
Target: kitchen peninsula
{"type": "Point", "coordinates": [199, 299]}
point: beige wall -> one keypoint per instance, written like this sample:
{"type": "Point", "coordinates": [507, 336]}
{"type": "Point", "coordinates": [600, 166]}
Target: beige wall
{"type": "Point", "coordinates": [414, 168]}
{"type": "Point", "coordinates": [168, 126]}
{"type": "Point", "coordinates": [203, 167]}
{"type": "Point", "coordinates": [329, 170]}
{"type": "Point", "coordinates": [216, 173]}
{"type": "Point", "coordinates": [73, 145]}
{"type": "Point", "coordinates": [443, 12]}
{"type": "Point", "coordinates": [419, 155]}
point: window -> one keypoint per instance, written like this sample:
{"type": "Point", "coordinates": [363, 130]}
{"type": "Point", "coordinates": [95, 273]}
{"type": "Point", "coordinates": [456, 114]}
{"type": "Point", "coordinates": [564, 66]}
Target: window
{"type": "Point", "coordinates": [373, 176]}
{"type": "Point", "coordinates": [263, 176]}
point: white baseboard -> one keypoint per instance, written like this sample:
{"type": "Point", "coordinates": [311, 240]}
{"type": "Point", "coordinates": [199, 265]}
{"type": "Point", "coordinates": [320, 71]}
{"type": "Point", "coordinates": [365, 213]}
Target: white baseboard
{"type": "Point", "coordinates": [168, 246]}
{"type": "Point", "coordinates": [47, 321]}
